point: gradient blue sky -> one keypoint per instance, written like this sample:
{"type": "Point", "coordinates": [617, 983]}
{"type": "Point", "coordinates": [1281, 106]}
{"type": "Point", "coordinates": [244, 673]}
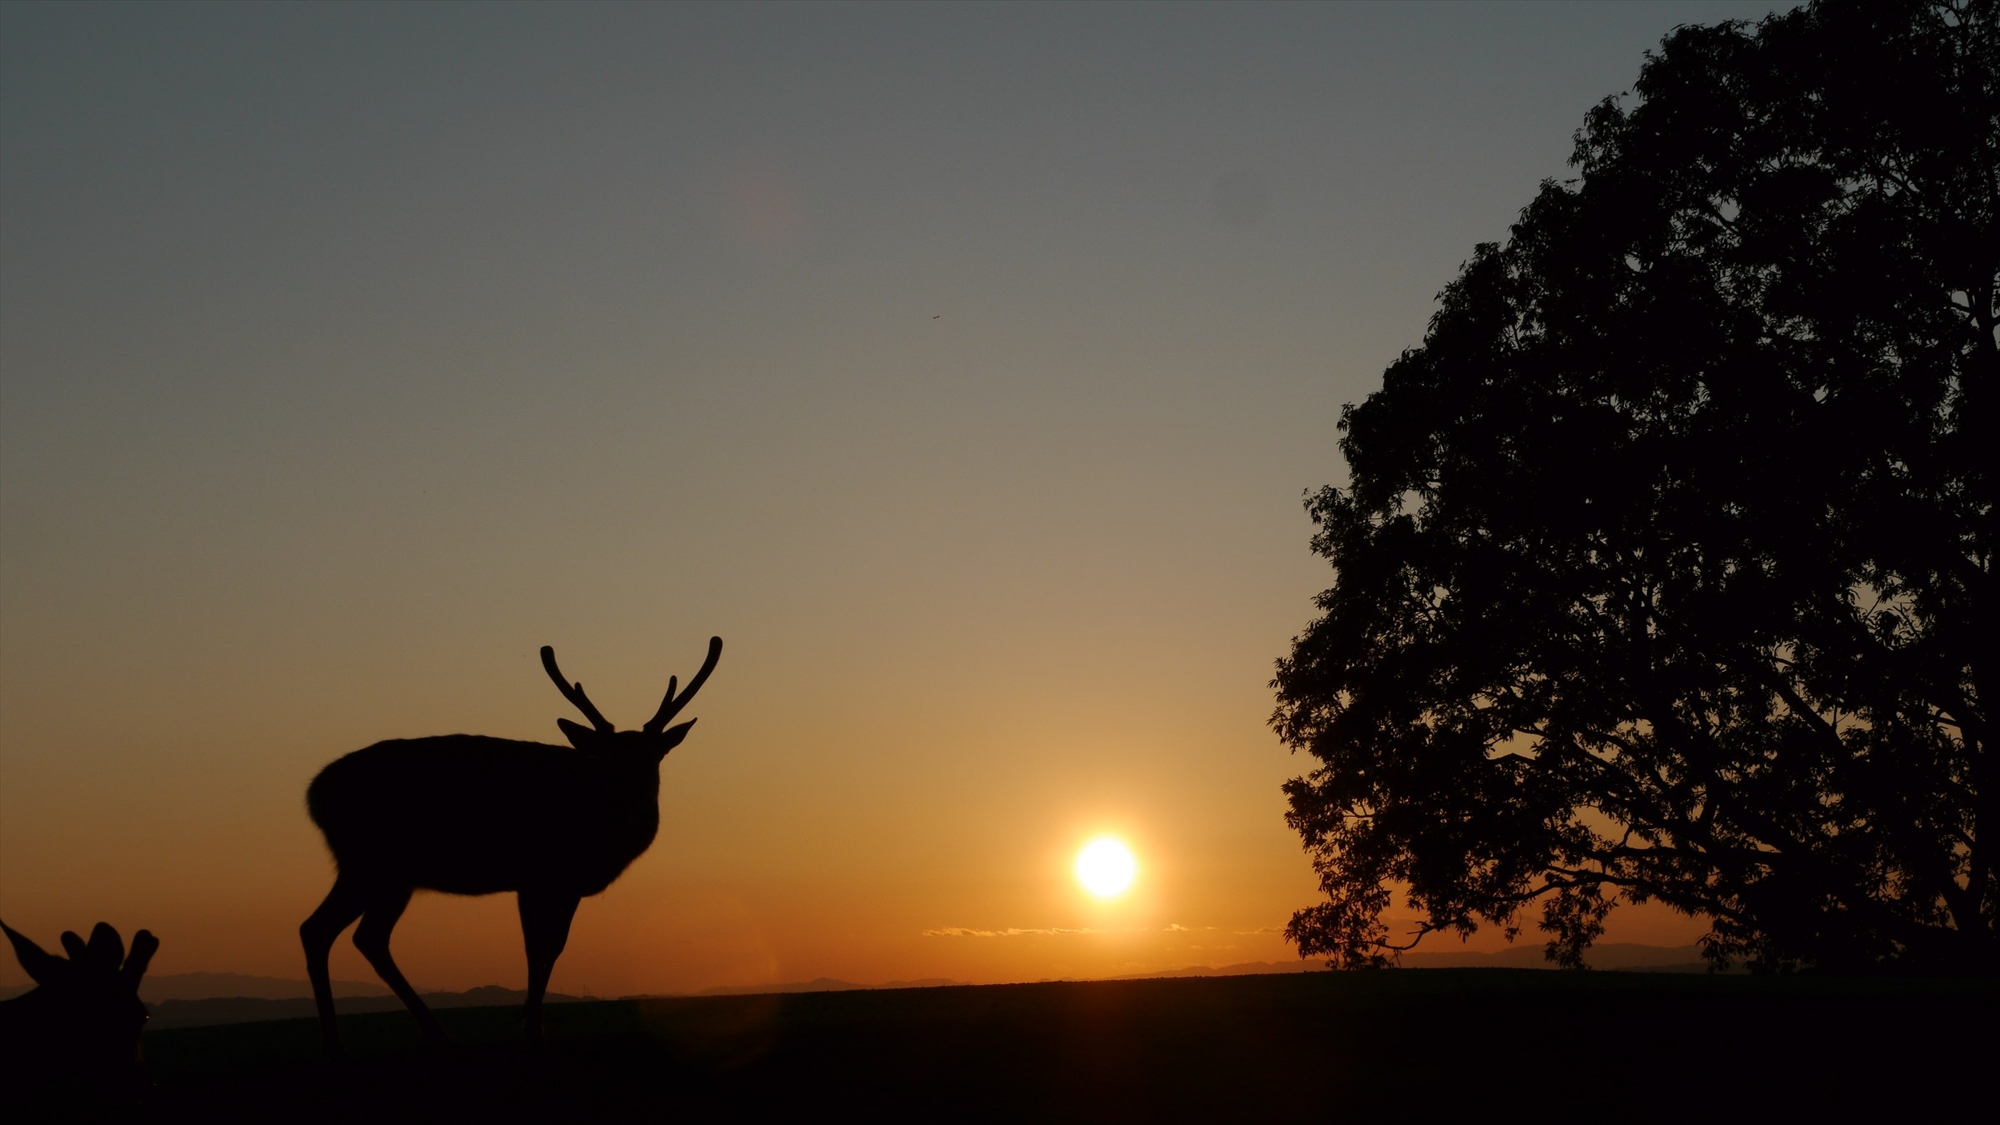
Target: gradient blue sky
{"type": "Point", "coordinates": [962, 366]}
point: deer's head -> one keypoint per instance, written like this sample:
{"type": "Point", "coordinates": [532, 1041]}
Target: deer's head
{"type": "Point", "coordinates": [84, 1016]}
{"type": "Point", "coordinates": [649, 743]}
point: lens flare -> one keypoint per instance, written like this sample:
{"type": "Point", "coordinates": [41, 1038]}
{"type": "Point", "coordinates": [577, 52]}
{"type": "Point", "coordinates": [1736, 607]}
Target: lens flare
{"type": "Point", "coordinates": [1105, 867]}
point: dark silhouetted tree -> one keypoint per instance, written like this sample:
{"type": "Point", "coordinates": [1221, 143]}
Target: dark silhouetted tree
{"type": "Point", "coordinates": [1665, 570]}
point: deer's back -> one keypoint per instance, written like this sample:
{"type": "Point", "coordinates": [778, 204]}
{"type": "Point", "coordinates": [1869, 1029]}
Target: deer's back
{"type": "Point", "coordinates": [468, 814]}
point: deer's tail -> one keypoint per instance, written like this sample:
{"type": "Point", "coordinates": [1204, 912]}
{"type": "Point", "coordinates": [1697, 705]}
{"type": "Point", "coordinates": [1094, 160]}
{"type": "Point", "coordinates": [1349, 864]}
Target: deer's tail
{"type": "Point", "coordinates": [323, 797]}
{"type": "Point", "coordinates": [316, 800]}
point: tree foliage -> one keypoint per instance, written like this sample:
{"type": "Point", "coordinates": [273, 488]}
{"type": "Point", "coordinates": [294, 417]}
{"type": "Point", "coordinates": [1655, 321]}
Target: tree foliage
{"type": "Point", "coordinates": [1665, 567]}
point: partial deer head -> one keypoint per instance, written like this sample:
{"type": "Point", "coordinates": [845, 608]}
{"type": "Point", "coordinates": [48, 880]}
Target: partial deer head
{"type": "Point", "coordinates": [652, 741]}
{"type": "Point", "coordinates": [82, 1021]}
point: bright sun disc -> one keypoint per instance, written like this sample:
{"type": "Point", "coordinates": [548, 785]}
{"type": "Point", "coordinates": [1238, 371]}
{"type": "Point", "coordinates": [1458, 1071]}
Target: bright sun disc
{"type": "Point", "coordinates": [1105, 867]}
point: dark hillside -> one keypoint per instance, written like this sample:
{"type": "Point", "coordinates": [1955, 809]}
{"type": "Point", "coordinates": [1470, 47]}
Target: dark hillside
{"type": "Point", "coordinates": [1303, 1046]}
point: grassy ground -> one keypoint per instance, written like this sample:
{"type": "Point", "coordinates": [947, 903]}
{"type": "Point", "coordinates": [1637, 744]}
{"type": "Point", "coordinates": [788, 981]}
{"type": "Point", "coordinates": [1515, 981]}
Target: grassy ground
{"type": "Point", "coordinates": [1422, 1044]}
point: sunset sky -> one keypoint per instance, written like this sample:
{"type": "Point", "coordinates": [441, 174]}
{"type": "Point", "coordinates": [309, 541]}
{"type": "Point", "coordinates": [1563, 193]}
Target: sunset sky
{"type": "Point", "coordinates": [961, 366]}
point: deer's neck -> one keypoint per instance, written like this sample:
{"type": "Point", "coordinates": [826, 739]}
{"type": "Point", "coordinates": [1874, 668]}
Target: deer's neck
{"type": "Point", "coordinates": [631, 816]}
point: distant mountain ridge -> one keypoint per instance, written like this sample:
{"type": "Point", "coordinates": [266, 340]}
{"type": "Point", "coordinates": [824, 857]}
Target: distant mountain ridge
{"type": "Point", "coordinates": [209, 986]}
{"type": "Point", "coordinates": [1241, 969]}
{"type": "Point", "coordinates": [1613, 957]}
{"type": "Point", "coordinates": [198, 999]}
{"type": "Point", "coordinates": [825, 984]}
{"type": "Point", "coordinates": [205, 1011]}
{"type": "Point", "coordinates": [249, 1009]}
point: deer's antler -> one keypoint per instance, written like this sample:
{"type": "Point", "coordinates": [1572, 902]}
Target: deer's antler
{"type": "Point", "coordinates": [671, 706]}
{"type": "Point", "coordinates": [574, 692]}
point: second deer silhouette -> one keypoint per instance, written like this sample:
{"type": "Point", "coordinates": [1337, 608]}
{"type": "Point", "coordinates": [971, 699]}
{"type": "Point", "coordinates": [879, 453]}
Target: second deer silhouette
{"type": "Point", "coordinates": [471, 815]}
{"type": "Point", "coordinates": [76, 1034]}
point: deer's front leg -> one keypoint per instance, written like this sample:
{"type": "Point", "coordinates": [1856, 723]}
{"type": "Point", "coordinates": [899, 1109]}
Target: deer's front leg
{"type": "Point", "coordinates": [545, 918]}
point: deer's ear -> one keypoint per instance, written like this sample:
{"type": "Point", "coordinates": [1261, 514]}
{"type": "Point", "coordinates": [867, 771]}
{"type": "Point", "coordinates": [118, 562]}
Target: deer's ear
{"type": "Point", "coordinates": [672, 736]}
{"type": "Point", "coordinates": [41, 966]}
{"type": "Point", "coordinates": [580, 736]}
{"type": "Point", "coordinates": [144, 945]}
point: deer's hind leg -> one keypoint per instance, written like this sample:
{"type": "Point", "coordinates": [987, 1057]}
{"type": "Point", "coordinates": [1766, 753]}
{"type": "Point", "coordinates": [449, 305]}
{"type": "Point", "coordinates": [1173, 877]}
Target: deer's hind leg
{"type": "Point", "coordinates": [371, 937]}
{"type": "Point", "coordinates": [343, 904]}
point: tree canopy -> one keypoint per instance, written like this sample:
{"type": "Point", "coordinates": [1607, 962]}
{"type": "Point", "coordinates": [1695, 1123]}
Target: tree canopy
{"type": "Point", "coordinates": [1665, 566]}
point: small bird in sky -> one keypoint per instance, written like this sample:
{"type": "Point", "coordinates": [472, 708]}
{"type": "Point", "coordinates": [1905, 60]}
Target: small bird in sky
{"type": "Point", "coordinates": [939, 316]}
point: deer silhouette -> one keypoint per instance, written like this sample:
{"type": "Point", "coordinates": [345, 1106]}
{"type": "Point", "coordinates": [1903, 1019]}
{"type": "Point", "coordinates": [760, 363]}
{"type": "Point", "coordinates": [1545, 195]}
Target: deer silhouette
{"type": "Point", "coordinates": [471, 815]}
{"type": "Point", "coordinates": [77, 1031]}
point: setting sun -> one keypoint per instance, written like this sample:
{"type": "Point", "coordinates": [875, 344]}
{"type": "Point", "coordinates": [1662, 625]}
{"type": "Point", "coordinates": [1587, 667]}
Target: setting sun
{"type": "Point", "coordinates": [1105, 867]}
